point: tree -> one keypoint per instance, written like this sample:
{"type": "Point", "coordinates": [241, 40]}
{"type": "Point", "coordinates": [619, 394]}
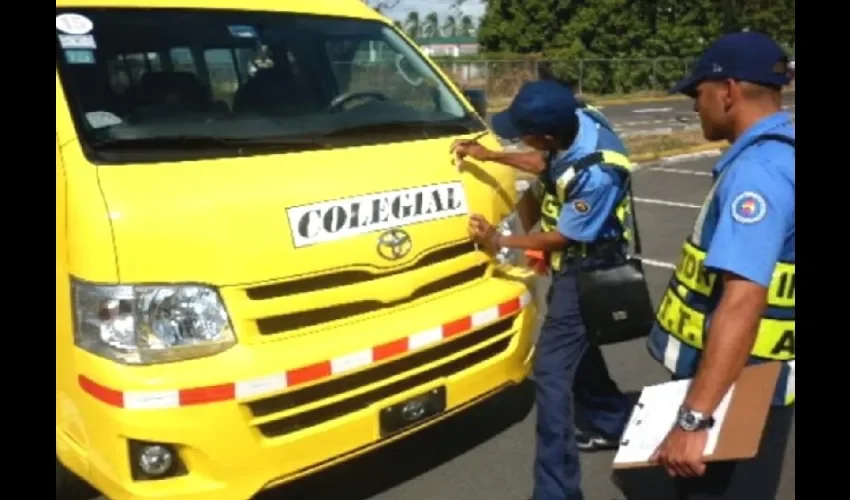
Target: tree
{"type": "Point", "coordinates": [382, 5]}
{"type": "Point", "coordinates": [466, 26]}
{"type": "Point", "coordinates": [450, 26]}
{"type": "Point", "coordinates": [431, 25]}
{"type": "Point", "coordinates": [413, 25]}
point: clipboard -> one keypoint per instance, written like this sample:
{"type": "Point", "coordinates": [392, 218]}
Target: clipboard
{"type": "Point", "coordinates": [739, 420]}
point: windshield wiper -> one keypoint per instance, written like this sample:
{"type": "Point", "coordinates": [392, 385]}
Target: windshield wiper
{"type": "Point", "coordinates": [425, 128]}
{"type": "Point", "coordinates": [192, 142]}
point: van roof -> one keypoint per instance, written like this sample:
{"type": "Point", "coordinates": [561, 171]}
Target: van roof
{"type": "Point", "coordinates": [344, 8]}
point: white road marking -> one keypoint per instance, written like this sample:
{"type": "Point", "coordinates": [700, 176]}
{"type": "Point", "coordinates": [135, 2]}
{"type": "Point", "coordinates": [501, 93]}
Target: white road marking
{"type": "Point", "coordinates": [653, 131]}
{"type": "Point", "coordinates": [652, 110]}
{"type": "Point", "coordinates": [691, 156]}
{"type": "Point", "coordinates": [658, 263]}
{"type": "Point", "coordinates": [666, 203]}
{"type": "Point", "coordinates": [680, 171]}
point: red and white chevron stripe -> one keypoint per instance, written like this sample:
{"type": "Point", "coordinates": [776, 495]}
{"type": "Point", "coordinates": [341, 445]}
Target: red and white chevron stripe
{"type": "Point", "coordinates": [248, 389]}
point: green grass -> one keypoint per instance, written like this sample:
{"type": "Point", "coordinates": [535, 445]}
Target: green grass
{"type": "Point", "coordinates": [654, 144]}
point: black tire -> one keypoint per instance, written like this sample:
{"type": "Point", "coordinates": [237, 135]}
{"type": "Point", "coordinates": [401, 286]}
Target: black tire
{"type": "Point", "coordinates": [71, 487]}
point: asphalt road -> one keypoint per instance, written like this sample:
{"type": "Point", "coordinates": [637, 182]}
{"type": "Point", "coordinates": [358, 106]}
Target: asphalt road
{"type": "Point", "coordinates": [630, 118]}
{"type": "Point", "coordinates": [663, 117]}
{"type": "Point", "coordinates": [487, 453]}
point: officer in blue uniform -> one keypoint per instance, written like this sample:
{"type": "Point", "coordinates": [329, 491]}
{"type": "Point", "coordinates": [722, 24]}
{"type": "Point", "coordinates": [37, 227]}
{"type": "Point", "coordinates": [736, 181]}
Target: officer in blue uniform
{"type": "Point", "coordinates": [578, 215]}
{"type": "Point", "coordinates": [737, 273]}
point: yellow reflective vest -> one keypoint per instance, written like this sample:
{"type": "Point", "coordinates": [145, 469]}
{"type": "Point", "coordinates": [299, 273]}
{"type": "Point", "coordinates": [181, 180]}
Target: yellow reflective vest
{"type": "Point", "coordinates": [680, 312]}
{"type": "Point", "coordinates": [554, 194]}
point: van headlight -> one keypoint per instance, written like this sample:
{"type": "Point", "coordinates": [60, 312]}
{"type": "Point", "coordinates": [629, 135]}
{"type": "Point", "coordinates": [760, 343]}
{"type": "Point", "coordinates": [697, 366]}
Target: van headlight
{"type": "Point", "coordinates": [510, 225]}
{"type": "Point", "coordinates": [143, 325]}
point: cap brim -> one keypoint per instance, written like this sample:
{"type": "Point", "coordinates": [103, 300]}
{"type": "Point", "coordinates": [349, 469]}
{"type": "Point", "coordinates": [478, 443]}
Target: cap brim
{"type": "Point", "coordinates": [504, 127]}
{"type": "Point", "coordinates": [687, 86]}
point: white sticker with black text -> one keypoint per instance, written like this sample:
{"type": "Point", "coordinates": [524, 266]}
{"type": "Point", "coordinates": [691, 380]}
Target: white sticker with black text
{"type": "Point", "coordinates": [335, 220]}
{"type": "Point", "coordinates": [77, 42]}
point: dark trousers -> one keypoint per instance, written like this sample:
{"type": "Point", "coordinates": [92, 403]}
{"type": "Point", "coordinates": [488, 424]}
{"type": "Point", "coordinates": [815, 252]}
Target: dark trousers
{"type": "Point", "coordinates": [754, 479]}
{"type": "Point", "coordinates": [569, 372]}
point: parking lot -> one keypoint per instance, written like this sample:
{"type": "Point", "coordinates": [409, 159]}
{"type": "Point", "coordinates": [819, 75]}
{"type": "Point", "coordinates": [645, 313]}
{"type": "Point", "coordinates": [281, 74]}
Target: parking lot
{"type": "Point", "coordinates": [487, 453]}
{"type": "Point", "coordinates": [666, 117]}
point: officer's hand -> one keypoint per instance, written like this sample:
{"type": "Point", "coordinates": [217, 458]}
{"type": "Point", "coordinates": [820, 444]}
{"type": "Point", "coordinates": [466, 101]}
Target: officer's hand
{"type": "Point", "coordinates": [464, 147]}
{"type": "Point", "coordinates": [681, 453]}
{"type": "Point", "coordinates": [484, 233]}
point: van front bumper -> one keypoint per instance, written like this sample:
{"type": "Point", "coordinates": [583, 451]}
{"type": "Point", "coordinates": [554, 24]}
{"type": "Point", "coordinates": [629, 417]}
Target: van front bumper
{"type": "Point", "coordinates": [232, 449]}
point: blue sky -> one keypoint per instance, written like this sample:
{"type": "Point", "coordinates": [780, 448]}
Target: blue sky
{"type": "Point", "coordinates": [474, 8]}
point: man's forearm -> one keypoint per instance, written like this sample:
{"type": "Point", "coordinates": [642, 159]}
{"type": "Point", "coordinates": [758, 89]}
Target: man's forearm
{"type": "Point", "coordinates": [527, 161]}
{"type": "Point", "coordinates": [729, 342]}
{"type": "Point", "coordinates": [547, 242]}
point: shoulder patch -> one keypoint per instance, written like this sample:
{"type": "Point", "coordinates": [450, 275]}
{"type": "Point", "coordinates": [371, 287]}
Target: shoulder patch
{"type": "Point", "coordinates": [581, 206]}
{"type": "Point", "coordinates": [749, 207]}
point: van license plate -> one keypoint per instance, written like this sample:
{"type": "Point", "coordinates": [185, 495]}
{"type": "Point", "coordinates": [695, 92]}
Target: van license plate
{"type": "Point", "coordinates": [400, 416]}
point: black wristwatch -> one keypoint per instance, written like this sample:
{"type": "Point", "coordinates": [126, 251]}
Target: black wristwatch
{"type": "Point", "coordinates": [691, 421]}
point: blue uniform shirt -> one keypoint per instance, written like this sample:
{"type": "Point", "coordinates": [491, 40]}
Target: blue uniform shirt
{"type": "Point", "coordinates": [749, 226]}
{"type": "Point", "coordinates": [585, 216]}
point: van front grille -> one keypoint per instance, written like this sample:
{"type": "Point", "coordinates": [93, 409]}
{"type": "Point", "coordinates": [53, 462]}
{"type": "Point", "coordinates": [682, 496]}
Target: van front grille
{"type": "Point", "coordinates": [487, 343]}
{"type": "Point", "coordinates": [303, 319]}
{"type": "Point", "coordinates": [353, 277]}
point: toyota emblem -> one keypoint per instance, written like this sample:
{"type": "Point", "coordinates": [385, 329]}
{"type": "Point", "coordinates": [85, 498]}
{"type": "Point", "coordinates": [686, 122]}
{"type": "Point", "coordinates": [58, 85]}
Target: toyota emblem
{"type": "Point", "coordinates": [394, 244]}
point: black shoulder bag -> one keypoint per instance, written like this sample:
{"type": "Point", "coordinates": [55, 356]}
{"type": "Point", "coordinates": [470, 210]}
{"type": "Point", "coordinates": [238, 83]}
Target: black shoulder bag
{"type": "Point", "coordinates": [614, 300]}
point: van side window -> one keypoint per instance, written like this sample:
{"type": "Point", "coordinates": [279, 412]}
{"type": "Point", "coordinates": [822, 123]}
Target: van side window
{"type": "Point", "coordinates": [182, 60]}
{"type": "Point", "coordinates": [126, 70]}
{"type": "Point", "coordinates": [224, 74]}
{"type": "Point", "coordinates": [119, 75]}
{"type": "Point", "coordinates": [377, 66]}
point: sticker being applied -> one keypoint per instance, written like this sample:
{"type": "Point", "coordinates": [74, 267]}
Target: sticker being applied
{"type": "Point", "coordinates": [749, 207]}
{"type": "Point", "coordinates": [338, 219]}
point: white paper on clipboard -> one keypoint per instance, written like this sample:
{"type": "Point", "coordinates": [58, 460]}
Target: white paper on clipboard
{"type": "Point", "coordinates": [653, 417]}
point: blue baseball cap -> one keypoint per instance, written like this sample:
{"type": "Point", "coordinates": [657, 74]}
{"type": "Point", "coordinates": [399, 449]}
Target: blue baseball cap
{"type": "Point", "coordinates": [541, 107]}
{"type": "Point", "coordinates": [746, 56]}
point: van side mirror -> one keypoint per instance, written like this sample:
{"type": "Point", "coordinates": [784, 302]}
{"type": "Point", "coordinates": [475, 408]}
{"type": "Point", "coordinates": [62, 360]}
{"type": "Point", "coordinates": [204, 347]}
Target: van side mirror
{"type": "Point", "coordinates": [478, 99]}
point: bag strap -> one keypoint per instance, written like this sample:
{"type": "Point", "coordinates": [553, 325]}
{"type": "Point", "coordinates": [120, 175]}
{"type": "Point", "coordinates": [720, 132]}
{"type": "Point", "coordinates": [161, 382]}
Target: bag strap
{"type": "Point", "coordinates": [598, 158]}
{"type": "Point", "coordinates": [638, 246]}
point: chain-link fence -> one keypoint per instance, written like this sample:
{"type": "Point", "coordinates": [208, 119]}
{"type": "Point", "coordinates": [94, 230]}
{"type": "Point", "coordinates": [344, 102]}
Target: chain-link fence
{"type": "Point", "coordinates": [502, 79]}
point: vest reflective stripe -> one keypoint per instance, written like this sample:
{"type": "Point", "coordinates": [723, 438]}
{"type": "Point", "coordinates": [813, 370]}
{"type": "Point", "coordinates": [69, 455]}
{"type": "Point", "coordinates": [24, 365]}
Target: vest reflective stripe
{"type": "Point", "coordinates": [679, 315]}
{"type": "Point", "coordinates": [555, 195]}
{"type": "Point", "coordinates": [775, 339]}
{"type": "Point", "coordinates": [691, 274]}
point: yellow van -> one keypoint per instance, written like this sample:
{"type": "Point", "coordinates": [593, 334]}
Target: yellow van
{"type": "Point", "coordinates": [262, 259]}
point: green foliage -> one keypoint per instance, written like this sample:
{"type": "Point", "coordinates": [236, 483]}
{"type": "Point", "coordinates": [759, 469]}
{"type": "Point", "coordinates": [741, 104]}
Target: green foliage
{"type": "Point", "coordinates": [577, 35]}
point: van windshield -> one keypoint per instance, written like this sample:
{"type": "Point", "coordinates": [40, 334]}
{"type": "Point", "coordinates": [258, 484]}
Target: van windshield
{"type": "Point", "coordinates": [197, 83]}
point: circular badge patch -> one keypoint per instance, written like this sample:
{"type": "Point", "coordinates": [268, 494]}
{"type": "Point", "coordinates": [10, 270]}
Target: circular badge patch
{"type": "Point", "coordinates": [581, 206]}
{"type": "Point", "coordinates": [749, 207]}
